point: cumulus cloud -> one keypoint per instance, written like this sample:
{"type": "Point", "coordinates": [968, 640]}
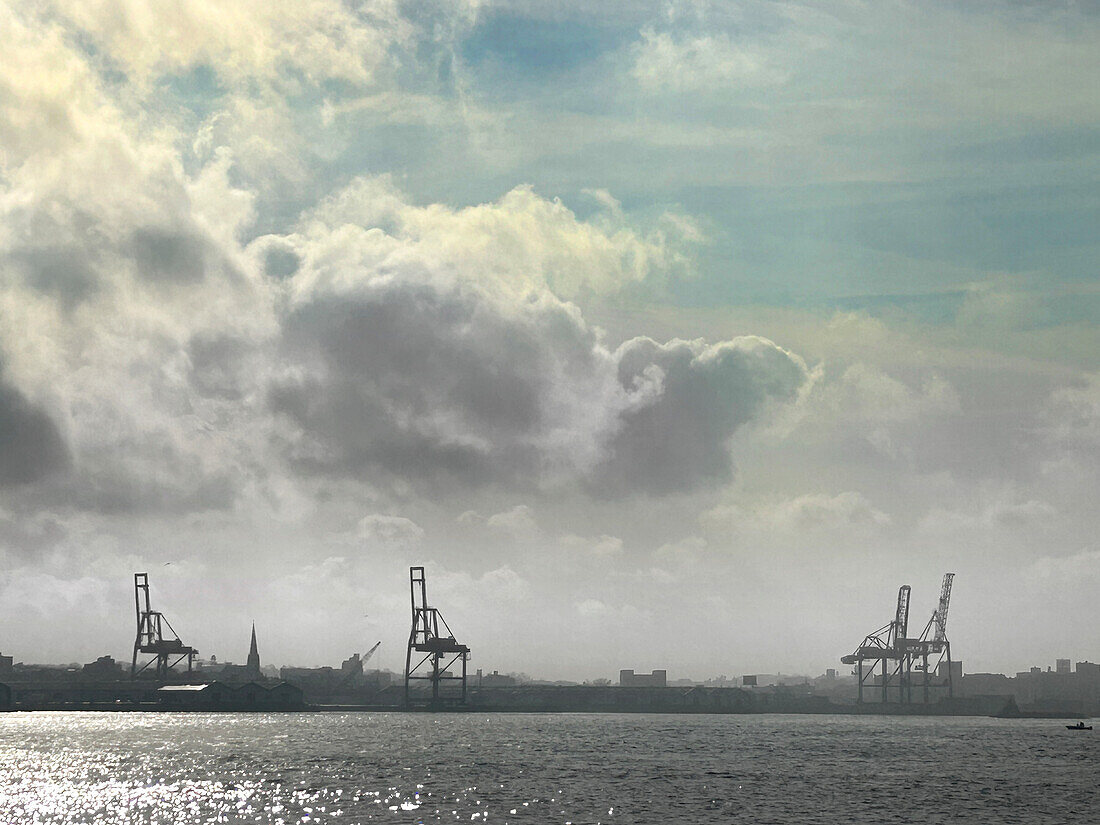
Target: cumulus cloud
{"type": "Point", "coordinates": [320, 38]}
{"type": "Point", "coordinates": [687, 400]}
{"type": "Point", "coordinates": [1072, 414]}
{"type": "Point", "coordinates": [518, 520]}
{"type": "Point", "coordinates": [430, 381]}
{"type": "Point", "coordinates": [389, 529]}
{"type": "Point", "coordinates": [520, 241]}
{"type": "Point", "coordinates": [155, 361]}
{"type": "Point", "coordinates": [600, 547]}
{"type": "Point", "coordinates": [442, 352]}
{"type": "Point", "coordinates": [685, 551]}
{"type": "Point", "coordinates": [1083, 566]}
{"type": "Point", "coordinates": [805, 513]}
{"type": "Point", "coordinates": [31, 446]}
{"type": "Point", "coordinates": [1002, 514]}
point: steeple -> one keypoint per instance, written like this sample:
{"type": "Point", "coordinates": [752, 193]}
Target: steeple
{"type": "Point", "coordinates": [253, 664]}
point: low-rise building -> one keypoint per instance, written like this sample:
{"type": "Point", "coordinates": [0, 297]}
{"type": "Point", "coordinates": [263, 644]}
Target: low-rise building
{"type": "Point", "coordinates": [219, 696]}
{"type": "Point", "coordinates": [628, 678]}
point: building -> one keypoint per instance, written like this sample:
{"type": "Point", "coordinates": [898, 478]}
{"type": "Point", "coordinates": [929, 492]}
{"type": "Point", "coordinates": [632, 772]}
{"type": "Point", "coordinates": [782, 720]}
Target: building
{"type": "Point", "coordinates": [628, 678]}
{"type": "Point", "coordinates": [105, 667]}
{"type": "Point", "coordinates": [284, 697]}
{"type": "Point", "coordinates": [212, 696]}
{"type": "Point", "coordinates": [495, 679]}
{"type": "Point", "coordinates": [252, 665]}
{"type": "Point", "coordinates": [218, 696]}
{"type": "Point", "coordinates": [1061, 665]}
{"type": "Point", "coordinates": [1037, 689]}
{"type": "Point", "coordinates": [6, 665]}
{"type": "Point", "coordinates": [748, 681]}
{"type": "Point", "coordinates": [956, 671]}
{"type": "Point", "coordinates": [1089, 671]}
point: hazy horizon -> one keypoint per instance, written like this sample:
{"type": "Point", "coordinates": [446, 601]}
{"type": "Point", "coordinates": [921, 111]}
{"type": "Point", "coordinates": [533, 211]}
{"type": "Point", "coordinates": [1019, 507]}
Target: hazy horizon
{"type": "Point", "coordinates": [664, 335]}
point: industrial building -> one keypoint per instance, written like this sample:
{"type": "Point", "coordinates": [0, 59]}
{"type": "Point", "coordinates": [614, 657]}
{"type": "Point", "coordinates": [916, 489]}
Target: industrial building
{"type": "Point", "coordinates": [219, 696]}
{"type": "Point", "coordinates": [628, 678]}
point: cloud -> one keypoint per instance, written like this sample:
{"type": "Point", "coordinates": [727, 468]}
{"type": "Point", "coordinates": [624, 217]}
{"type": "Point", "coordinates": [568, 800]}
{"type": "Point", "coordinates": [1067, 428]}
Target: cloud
{"type": "Point", "coordinates": [600, 547]}
{"type": "Point", "coordinates": [320, 39]}
{"type": "Point", "coordinates": [1072, 414]}
{"type": "Point", "coordinates": [520, 520]}
{"type": "Point", "coordinates": [687, 550]}
{"type": "Point", "coordinates": [687, 400]}
{"type": "Point", "coordinates": [806, 513]}
{"type": "Point", "coordinates": [518, 242]}
{"type": "Point", "coordinates": [31, 446]}
{"type": "Point", "coordinates": [406, 356]}
{"type": "Point", "coordinates": [595, 610]}
{"type": "Point", "coordinates": [1077, 568]}
{"type": "Point", "coordinates": [1003, 515]}
{"type": "Point", "coordinates": [389, 529]}
{"type": "Point", "coordinates": [686, 64]}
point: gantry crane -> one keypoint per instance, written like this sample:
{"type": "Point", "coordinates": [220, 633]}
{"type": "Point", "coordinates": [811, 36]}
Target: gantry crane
{"type": "Point", "coordinates": [885, 650]}
{"type": "Point", "coordinates": [932, 648]}
{"type": "Point", "coordinates": [897, 658]}
{"type": "Point", "coordinates": [166, 652]}
{"type": "Point", "coordinates": [431, 655]}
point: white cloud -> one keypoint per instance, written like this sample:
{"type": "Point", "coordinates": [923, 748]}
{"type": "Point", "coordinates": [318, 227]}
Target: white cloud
{"type": "Point", "coordinates": [1072, 414]}
{"type": "Point", "coordinates": [848, 510]}
{"type": "Point", "coordinates": [685, 550]}
{"type": "Point", "coordinates": [389, 529]}
{"type": "Point", "coordinates": [516, 243]}
{"type": "Point", "coordinates": [402, 353]}
{"type": "Point", "coordinates": [687, 64]}
{"type": "Point", "coordinates": [242, 40]}
{"type": "Point", "coordinates": [1008, 516]}
{"type": "Point", "coordinates": [520, 520]}
{"type": "Point", "coordinates": [599, 611]}
{"type": "Point", "coordinates": [600, 547]}
{"type": "Point", "coordinates": [1077, 568]}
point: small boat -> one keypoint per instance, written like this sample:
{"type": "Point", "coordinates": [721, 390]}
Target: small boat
{"type": "Point", "coordinates": [1079, 726]}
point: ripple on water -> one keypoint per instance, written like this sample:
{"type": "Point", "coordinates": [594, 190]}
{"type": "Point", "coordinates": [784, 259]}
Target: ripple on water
{"type": "Point", "coordinates": [185, 769]}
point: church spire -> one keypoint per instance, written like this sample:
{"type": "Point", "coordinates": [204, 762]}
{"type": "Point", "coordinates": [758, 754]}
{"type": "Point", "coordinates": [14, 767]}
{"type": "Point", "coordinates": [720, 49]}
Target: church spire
{"type": "Point", "coordinates": [253, 665]}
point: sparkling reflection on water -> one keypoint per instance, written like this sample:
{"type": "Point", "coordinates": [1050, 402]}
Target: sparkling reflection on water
{"type": "Point", "coordinates": [114, 768]}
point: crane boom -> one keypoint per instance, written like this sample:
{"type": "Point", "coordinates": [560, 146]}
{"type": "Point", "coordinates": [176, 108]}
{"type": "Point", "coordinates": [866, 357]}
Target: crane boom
{"type": "Point", "coordinates": [369, 653]}
{"type": "Point", "coordinates": [941, 609]}
{"type": "Point", "coordinates": [901, 618]}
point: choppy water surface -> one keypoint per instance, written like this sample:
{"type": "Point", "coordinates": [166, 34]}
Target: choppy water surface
{"type": "Point", "coordinates": [592, 768]}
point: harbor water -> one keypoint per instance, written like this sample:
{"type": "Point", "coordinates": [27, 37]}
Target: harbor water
{"type": "Point", "coordinates": [115, 768]}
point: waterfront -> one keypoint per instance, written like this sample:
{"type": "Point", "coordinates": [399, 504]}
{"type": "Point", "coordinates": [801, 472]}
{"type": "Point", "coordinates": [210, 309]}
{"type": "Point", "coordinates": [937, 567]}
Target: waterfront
{"type": "Point", "coordinates": [114, 768]}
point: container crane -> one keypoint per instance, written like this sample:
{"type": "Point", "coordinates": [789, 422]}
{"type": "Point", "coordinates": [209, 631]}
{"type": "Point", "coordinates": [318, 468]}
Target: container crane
{"type": "Point", "coordinates": [885, 649]}
{"type": "Point", "coordinates": [167, 652]}
{"type": "Point", "coordinates": [431, 653]}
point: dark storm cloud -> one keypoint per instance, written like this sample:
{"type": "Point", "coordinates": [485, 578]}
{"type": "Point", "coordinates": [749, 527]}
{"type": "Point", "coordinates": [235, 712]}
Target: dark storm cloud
{"type": "Point", "coordinates": [678, 439]}
{"type": "Point", "coordinates": [422, 381]}
{"type": "Point", "coordinates": [179, 486]}
{"type": "Point", "coordinates": [31, 446]}
{"type": "Point", "coordinates": [425, 382]}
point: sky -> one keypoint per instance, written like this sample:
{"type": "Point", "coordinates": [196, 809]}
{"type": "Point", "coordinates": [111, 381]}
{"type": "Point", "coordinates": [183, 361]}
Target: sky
{"type": "Point", "coordinates": [664, 335]}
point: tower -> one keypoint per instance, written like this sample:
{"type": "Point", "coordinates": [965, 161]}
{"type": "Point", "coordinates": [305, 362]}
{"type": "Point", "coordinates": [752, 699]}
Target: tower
{"type": "Point", "coordinates": [252, 666]}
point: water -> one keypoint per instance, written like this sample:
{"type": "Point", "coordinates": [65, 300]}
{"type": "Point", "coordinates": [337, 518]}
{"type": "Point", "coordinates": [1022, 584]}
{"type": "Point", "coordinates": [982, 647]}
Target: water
{"type": "Point", "coordinates": [108, 768]}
